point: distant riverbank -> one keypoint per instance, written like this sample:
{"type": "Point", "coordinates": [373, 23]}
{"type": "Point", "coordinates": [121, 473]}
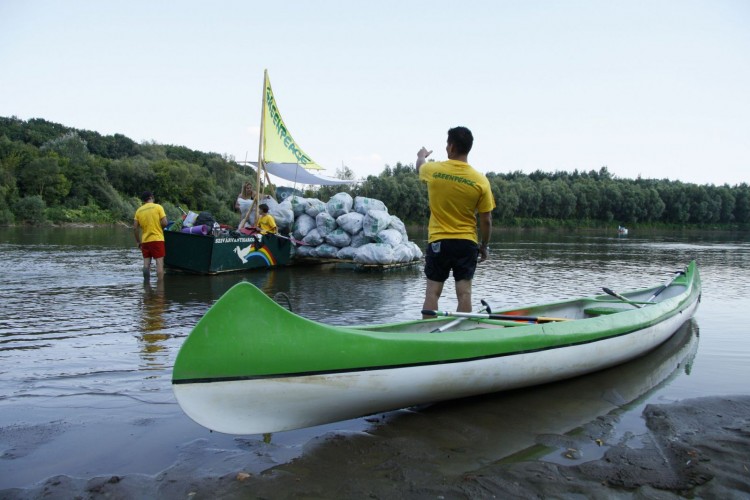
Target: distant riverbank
{"type": "Point", "coordinates": [525, 225]}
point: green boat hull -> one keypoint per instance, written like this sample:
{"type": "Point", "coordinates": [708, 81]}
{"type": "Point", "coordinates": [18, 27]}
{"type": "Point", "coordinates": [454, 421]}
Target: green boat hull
{"type": "Point", "coordinates": [281, 371]}
{"type": "Point", "coordinates": [196, 253]}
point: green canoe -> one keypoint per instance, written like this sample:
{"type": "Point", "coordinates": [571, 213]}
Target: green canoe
{"type": "Point", "coordinates": [281, 371]}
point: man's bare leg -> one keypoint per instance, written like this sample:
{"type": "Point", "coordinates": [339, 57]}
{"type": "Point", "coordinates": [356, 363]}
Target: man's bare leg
{"type": "Point", "coordinates": [463, 293]}
{"type": "Point", "coordinates": [432, 296]}
{"type": "Point", "coordinates": [160, 268]}
{"type": "Point", "coordinates": [146, 268]}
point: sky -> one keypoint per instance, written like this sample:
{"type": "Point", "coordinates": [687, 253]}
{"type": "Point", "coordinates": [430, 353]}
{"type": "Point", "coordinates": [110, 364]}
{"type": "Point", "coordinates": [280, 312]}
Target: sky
{"type": "Point", "coordinates": [655, 88]}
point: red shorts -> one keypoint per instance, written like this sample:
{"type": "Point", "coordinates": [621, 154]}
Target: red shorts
{"type": "Point", "coordinates": [153, 249]}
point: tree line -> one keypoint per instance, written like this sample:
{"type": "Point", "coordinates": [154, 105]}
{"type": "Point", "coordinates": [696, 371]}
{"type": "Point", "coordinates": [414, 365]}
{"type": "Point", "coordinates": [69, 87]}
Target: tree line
{"type": "Point", "coordinates": [53, 173]}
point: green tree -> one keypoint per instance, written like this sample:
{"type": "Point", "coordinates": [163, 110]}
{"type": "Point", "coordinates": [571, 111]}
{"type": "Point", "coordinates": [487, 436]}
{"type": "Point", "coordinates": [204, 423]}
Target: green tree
{"type": "Point", "coordinates": [345, 173]}
{"type": "Point", "coordinates": [222, 171]}
{"type": "Point", "coordinates": [588, 198]}
{"type": "Point", "coordinates": [529, 198]}
{"type": "Point", "coordinates": [676, 204]}
{"type": "Point", "coordinates": [112, 147]}
{"type": "Point", "coordinates": [69, 146]}
{"type": "Point", "coordinates": [558, 201]}
{"type": "Point", "coordinates": [43, 177]}
{"type": "Point", "coordinates": [30, 209]}
{"type": "Point", "coordinates": [654, 206]}
{"type": "Point", "coordinates": [506, 198]}
{"type": "Point", "coordinates": [703, 207]}
{"type": "Point", "coordinates": [742, 203]}
{"type": "Point", "coordinates": [728, 203]}
{"type": "Point", "coordinates": [81, 175]}
{"type": "Point", "coordinates": [131, 176]}
{"type": "Point", "coordinates": [611, 202]}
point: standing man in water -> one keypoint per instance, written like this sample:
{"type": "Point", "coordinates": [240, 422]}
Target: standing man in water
{"type": "Point", "coordinates": [148, 227]}
{"type": "Point", "coordinates": [457, 193]}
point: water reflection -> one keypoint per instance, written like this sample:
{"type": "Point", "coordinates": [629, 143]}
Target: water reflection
{"type": "Point", "coordinates": [153, 323]}
{"type": "Point", "coordinates": [196, 290]}
{"type": "Point", "coordinates": [516, 425]}
{"type": "Point", "coordinates": [169, 307]}
{"type": "Point", "coordinates": [342, 296]}
{"type": "Point", "coordinates": [154, 306]}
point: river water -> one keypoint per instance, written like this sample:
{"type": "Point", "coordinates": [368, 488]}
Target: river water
{"type": "Point", "coordinates": [86, 349]}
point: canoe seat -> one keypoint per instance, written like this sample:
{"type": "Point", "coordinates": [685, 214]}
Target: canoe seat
{"type": "Point", "coordinates": [601, 311]}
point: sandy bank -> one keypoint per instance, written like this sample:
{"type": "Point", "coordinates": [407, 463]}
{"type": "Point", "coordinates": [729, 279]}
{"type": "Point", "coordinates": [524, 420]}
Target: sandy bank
{"type": "Point", "coordinates": [695, 448]}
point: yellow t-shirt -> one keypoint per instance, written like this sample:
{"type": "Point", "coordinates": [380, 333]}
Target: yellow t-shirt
{"type": "Point", "coordinates": [456, 192]}
{"type": "Point", "coordinates": [267, 224]}
{"type": "Point", "coordinates": [149, 217]}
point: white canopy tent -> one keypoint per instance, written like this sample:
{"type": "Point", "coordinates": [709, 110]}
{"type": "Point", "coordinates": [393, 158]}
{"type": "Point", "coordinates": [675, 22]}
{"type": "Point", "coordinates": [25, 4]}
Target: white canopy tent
{"type": "Point", "coordinates": [295, 173]}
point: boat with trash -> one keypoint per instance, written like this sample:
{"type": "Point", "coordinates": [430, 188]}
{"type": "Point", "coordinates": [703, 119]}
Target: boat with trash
{"type": "Point", "coordinates": [357, 232]}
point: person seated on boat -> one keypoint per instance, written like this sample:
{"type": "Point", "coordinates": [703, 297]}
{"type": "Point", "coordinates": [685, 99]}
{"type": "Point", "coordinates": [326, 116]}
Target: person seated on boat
{"type": "Point", "coordinates": [266, 222]}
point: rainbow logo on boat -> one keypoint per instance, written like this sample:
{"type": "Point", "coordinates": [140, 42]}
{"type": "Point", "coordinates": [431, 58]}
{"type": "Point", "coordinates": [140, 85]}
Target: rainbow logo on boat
{"type": "Point", "coordinates": [250, 252]}
{"type": "Point", "coordinates": [264, 254]}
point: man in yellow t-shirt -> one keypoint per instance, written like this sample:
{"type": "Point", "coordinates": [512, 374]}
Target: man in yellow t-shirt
{"type": "Point", "coordinates": [457, 193]}
{"type": "Point", "coordinates": [148, 227]}
{"type": "Point", "coordinates": [266, 222]}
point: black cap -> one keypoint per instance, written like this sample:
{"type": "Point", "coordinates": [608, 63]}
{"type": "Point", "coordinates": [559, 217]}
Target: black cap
{"type": "Point", "coordinates": [147, 195]}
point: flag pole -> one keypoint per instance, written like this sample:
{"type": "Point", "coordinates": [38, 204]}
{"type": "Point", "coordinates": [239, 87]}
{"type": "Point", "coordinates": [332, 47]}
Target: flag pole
{"type": "Point", "coordinates": [261, 165]}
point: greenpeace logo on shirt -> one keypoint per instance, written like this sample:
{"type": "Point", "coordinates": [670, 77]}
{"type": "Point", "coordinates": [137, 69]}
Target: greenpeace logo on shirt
{"type": "Point", "coordinates": [453, 178]}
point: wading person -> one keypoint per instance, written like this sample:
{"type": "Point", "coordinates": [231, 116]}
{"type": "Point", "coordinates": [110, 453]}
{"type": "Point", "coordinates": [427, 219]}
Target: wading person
{"type": "Point", "coordinates": [457, 193]}
{"type": "Point", "coordinates": [148, 227]}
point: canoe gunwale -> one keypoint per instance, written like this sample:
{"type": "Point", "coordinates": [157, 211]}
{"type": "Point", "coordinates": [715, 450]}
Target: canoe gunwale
{"type": "Point", "coordinates": [594, 337]}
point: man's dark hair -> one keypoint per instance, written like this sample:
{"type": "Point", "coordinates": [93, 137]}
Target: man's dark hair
{"type": "Point", "coordinates": [263, 207]}
{"type": "Point", "coordinates": [461, 139]}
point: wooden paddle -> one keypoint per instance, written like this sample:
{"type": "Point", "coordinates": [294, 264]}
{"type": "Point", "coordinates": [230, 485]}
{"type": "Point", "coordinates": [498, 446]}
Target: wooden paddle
{"type": "Point", "coordinates": [511, 317]}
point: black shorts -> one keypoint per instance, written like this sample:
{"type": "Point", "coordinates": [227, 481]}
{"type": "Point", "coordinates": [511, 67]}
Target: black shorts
{"type": "Point", "coordinates": [442, 256]}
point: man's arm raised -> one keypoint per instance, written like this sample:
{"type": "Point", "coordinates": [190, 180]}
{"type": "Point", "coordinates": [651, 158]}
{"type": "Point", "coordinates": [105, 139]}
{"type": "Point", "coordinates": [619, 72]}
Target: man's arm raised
{"type": "Point", "coordinates": [422, 155]}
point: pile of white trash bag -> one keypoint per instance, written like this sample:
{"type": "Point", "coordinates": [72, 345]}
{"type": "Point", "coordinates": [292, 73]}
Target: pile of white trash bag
{"type": "Point", "coordinates": [359, 229]}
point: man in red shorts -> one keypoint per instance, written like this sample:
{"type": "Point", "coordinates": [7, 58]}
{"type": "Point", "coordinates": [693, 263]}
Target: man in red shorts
{"type": "Point", "coordinates": [150, 221]}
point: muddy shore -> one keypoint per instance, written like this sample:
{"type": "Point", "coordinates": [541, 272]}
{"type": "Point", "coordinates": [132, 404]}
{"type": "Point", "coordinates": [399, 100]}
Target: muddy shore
{"type": "Point", "coordinates": [694, 448]}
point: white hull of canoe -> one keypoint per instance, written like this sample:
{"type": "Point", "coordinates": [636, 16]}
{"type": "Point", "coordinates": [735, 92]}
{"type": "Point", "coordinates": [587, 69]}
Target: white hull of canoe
{"type": "Point", "coordinates": [271, 405]}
